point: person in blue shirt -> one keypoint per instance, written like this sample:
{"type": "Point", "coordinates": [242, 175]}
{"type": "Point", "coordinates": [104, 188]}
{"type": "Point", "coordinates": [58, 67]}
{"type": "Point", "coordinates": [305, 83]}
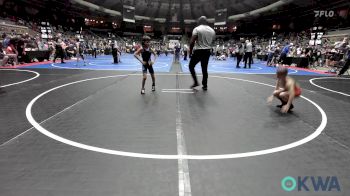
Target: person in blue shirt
{"type": "Point", "coordinates": [284, 53]}
{"type": "Point", "coordinates": [6, 40]}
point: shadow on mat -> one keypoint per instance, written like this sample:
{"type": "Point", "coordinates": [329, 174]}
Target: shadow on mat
{"type": "Point", "coordinates": [2, 91]}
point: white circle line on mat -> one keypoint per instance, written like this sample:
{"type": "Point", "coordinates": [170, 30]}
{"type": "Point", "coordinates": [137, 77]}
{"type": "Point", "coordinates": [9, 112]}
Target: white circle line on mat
{"type": "Point", "coordinates": [248, 73]}
{"type": "Point", "coordinates": [254, 68]}
{"type": "Point", "coordinates": [21, 82]}
{"type": "Point", "coordinates": [327, 89]}
{"type": "Point", "coordinates": [158, 65]}
{"type": "Point", "coordinates": [103, 69]}
{"type": "Point", "coordinates": [305, 140]}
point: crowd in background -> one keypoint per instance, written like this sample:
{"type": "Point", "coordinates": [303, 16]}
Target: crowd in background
{"type": "Point", "coordinates": [330, 54]}
{"type": "Point", "coordinates": [14, 48]}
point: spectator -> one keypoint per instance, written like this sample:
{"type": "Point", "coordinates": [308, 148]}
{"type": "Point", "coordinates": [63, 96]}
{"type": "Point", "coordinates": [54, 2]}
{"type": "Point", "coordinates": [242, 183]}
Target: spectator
{"type": "Point", "coordinates": [177, 50]}
{"type": "Point", "coordinates": [248, 56]}
{"type": "Point", "coordinates": [3, 58]}
{"type": "Point", "coordinates": [41, 44]}
{"type": "Point", "coordinates": [185, 51]}
{"type": "Point", "coordinates": [11, 52]}
{"type": "Point", "coordinates": [94, 49]}
{"type": "Point", "coordinates": [59, 51]}
{"type": "Point", "coordinates": [284, 53]}
{"type": "Point", "coordinates": [239, 52]}
{"type": "Point", "coordinates": [345, 47]}
{"type": "Point", "coordinates": [6, 40]}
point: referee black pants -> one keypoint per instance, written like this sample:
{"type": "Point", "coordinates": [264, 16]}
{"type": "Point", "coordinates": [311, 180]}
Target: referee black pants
{"type": "Point", "coordinates": [203, 57]}
{"type": "Point", "coordinates": [59, 53]}
{"type": "Point", "coordinates": [239, 59]}
{"type": "Point", "coordinates": [345, 68]}
{"type": "Point", "coordinates": [248, 58]}
{"type": "Point", "coordinates": [94, 52]}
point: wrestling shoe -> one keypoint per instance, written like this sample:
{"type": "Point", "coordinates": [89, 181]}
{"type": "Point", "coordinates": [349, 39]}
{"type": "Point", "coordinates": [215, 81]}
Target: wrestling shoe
{"type": "Point", "coordinates": [194, 85]}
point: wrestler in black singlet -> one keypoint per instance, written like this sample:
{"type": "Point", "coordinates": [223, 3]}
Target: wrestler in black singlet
{"type": "Point", "coordinates": [146, 56]}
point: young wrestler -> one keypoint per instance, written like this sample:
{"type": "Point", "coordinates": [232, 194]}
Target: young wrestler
{"type": "Point", "coordinates": [144, 54]}
{"type": "Point", "coordinates": [286, 90]}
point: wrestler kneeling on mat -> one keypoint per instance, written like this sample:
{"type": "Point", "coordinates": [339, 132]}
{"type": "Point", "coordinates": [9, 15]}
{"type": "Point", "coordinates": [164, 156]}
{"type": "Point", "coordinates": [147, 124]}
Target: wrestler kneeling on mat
{"type": "Point", "coordinates": [286, 90]}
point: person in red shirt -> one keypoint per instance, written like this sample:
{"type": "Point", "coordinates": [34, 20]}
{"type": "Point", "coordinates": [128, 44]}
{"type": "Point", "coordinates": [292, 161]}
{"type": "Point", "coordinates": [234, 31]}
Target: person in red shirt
{"type": "Point", "coordinates": [12, 53]}
{"type": "Point", "coordinates": [3, 57]}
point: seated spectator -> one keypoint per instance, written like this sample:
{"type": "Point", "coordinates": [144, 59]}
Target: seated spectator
{"type": "Point", "coordinates": [284, 53]}
{"type": "Point", "coordinates": [299, 51]}
{"type": "Point", "coordinates": [3, 58]}
{"type": "Point", "coordinates": [6, 40]}
{"type": "Point", "coordinates": [40, 44]}
{"type": "Point", "coordinates": [22, 55]}
{"type": "Point", "coordinates": [270, 53]}
{"type": "Point", "coordinates": [12, 53]}
{"type": "Point", "coordinates": [275, 57]}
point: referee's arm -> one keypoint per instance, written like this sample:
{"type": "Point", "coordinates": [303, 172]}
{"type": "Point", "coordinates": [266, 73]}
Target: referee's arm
{"type": "Point", "coordinates": [193, 41]}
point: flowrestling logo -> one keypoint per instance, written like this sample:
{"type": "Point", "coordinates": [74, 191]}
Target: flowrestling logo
{"type": "Point", "coordinates": [310, 183]}
{"type": "Point", "coordinates": [324, 13]}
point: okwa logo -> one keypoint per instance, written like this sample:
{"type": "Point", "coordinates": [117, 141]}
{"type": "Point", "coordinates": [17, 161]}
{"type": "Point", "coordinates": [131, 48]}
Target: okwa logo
{"type": "Point", "coordinates": [310, 183]}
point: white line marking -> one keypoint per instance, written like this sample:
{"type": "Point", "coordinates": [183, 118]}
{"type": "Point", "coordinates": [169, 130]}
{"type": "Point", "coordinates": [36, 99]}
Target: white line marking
{"type": "Point", "coordinates": [305, 140]}
{"type": "Point", "coordinates": [51, 117]}
{"type": "Point", "coordinates": [336, 141]}
{"type": "Point", "coordinates": [248, 73]}
{"type": "Point", "coordinates": [327, 89]}
{"type": "Point", "coordinates": [183, 170]}
{"type": "Point", "coordinates": [158, 65]}
{"type": "Point", "coordinates": [116, 69]}
{"type": "Point", "coordinates": [183, 92]}
{"type": "Point", "coordinates": [9, 141]}
{"type": "Point", "coordinates": [91, 69]}
{"type": "Point", "coordinates": [69, 107]}
{"type": "Point", "coordinates": [185, 89]}
{"type": "Point", "coordinates": [20, 70]}
{"type": "Point", "coordinates": [230, 68]}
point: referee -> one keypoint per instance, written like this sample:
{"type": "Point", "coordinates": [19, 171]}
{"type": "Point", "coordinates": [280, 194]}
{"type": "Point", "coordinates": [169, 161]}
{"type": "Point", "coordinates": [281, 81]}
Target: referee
{"type": "Point", "coordinates": [200, 46]}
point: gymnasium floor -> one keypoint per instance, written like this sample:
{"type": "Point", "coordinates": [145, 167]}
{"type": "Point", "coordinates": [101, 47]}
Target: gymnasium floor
{"type": "Point", "coordinates": [70, 129]}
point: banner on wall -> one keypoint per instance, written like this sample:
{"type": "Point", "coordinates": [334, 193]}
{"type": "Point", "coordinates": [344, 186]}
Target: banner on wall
{"type": "Point", "coordinates": [220, 17]}
{"type": "Point", "coordinates": [128, 13]}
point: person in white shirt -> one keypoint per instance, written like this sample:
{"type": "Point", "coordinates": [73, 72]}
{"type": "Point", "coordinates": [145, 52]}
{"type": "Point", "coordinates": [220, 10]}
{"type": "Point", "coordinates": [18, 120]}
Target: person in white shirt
{"type": "Point", "coordinates": [94, 49]}
{"type": "Point", "coordinates": [79, 51]}
{"type": "Point", "coordinates": [185, 51]}
{"type": "Point", "coordinates": [299, 50]}
{"type": "Point", "coordinates": [248, 56]}
{"type": "Point", "coordinates": [200, 47]}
